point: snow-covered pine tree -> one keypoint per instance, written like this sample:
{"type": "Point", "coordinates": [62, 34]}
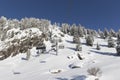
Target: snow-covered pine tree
{"type": "Point", "coordinates": [42, 24]}
{"type": "Point", "coordinates": [113, 33]}
{"type": "Point", "coordinates": [3, 21]}
{"type": "Point", "coordinates": [28, 54]}
{"type": "Point", "coordinates": [89, 40]}
{"type": "Point", "coordinates": [84, 31]}
{"type": "Point", "coordinates": [65, 28]}
{"type": "Point", "coordinates": [3, 36]}
{"type": "Point", "coordinates": [101, 34]}
{"type": "Point", "coordinates": [118, 43]}
{"type": "Point", "coordinates": [14, 23]}
{"type": "Point", "coordinates": [80, 31]}
{"type": "Point", "coordinates": [94, 33]}
{"type": "Point", "coordinates": [73, 29]}
{"type": "Point", "coordinates": [111, 42]}
{"type": "Point", "coordinates": [79, 47]}
{"type": "Point", "coordinates": [106, 33]}
{"type": "Point", "coordinates": [3, 31]}
{"type": "Point", "coordinates": [118, 49]}
{"type": "Point", "coordinates": [89, 31]}
{"type": "Point", "coordinates": [118, 37]}
{"type": "Point", "coordinates": [98, 47]}
{"type": "Point", "coordinates": [76, 39]}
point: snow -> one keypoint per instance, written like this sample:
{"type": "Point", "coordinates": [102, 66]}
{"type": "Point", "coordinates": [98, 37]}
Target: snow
{"type": "Point", "coordinates": [50, 66]}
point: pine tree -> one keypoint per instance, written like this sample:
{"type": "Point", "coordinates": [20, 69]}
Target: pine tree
{"type": "Point", "coordinates": [3, 36]}
{"type": "Point", "coordinates": [65, 28]}
{"type": "Point", "coordinates": [3, 31]}
{"type": "Point", "coordinates": [111, 42]}
{"type": "Point", "coordinates": [118, 37]}
{"type": "Point", "coordinates": [73, 29]}
{"type": "Point", "coordinates": [106, 33]}
{"type": "Point", "coordinates": [98, 47]}
{"type": "Point", "coordinates": [89, 32]}
{"type": "Point", "coordinates": [79, 47]}
{"type": "Point", "coordinates": [118, 49]}
{"type": "Point", "coordinates": [28, 54]}
{"type": "Point", "coordinates": [89, 40]}
{"type": "Point", "coordinates": [113, 33]}
{"type": "Point", "coordinates": [94, 33]}
{"type": "Point", "coordinates": [80, 31]}
{"type": "Point", "coordinates": [84, 31]}
{"type": "Point", "coordinates": [76, 39]}
{"type": "Point", "coordinates": [118, 43]}
{"type": "Point", "coordinates": [101, 34]}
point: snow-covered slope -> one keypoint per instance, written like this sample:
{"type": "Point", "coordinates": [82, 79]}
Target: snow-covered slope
{"type": "Point", "coordinates": [50, 66]}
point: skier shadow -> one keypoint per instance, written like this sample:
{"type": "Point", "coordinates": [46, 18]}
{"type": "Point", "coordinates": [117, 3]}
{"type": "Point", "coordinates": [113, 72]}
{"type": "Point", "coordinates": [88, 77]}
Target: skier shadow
{"type": "Point", "coordinates": [80, 77]}
{"type": "Point", "coordinates": [104, 53]}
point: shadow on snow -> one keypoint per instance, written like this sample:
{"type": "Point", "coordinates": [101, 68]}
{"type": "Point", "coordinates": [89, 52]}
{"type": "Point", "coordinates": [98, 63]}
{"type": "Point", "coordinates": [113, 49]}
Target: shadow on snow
{"type": "Point", "coordinates": [104, 53]}
{"type": "Point", "coordinates": [71, 48]}
{"type": "Point", "coordinates": [81, 77]}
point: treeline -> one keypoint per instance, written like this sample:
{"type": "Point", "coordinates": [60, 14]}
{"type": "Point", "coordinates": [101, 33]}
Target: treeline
{"type": "Point", "coordinates": [82, 31]}
{"type": "Point", "coordinates": [89, 34]}
{"type": "Point", "coordinates": [24, 23]}
{"type": "Point", "coordinates": [77, 30]}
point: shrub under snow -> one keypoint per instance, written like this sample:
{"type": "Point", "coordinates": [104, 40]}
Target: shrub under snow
{"type": "Point", "coordinates": [95, 71]}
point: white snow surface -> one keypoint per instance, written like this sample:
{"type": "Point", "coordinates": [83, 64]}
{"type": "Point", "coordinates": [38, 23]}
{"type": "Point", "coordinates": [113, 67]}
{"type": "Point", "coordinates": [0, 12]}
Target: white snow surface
{"type": "Point", "coordinates": [50, 66]}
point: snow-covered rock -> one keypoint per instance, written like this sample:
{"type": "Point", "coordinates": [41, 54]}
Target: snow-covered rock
{"type": "Point", "coordinates": [76, 65]}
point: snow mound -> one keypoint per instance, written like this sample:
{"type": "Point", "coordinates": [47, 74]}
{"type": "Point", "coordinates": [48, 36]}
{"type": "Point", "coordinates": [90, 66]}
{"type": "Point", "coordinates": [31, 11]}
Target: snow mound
{"type": "Point", "coordinates": [76, 64]}
{"type": "Point", "coordinates": [55, 71]}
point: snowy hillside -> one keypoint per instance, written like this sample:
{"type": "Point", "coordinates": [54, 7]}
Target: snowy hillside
{"type": "Point", "coordinates": [34, 49]}
{"type": "Point", "coordinates": [50, 66]}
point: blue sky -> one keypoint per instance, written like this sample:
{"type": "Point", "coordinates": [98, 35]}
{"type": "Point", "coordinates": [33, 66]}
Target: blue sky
{"type": "Point", "coordinates": [89, 13]}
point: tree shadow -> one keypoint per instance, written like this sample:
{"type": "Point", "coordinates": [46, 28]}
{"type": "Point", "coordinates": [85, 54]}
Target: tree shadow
{"type": "Point", "coordinates": [23, 58]}
{"type": "Point", "coordinates": [15, 73]}
{"type": "Point", "coordinates": [62, 78]}
{"type": "Point", "coordinates": [103, 45]}
{"type": "Point", "coordinates": [81, 77]}
{"type": "Point", "coordinates": [69, 41]}
{"type": "Point", "coordinates": [71, 48]}
{"type": "Point", "coordinates": [104, 53]}
{"type": "Point", "coordinates": [42, 61]}
{"type": "Point", "coordinates": [83, 43]}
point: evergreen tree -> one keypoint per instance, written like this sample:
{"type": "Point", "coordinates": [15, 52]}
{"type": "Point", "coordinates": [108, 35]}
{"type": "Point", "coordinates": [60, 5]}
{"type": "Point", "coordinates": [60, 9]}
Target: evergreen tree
{"type": "Point", "coordinates": [111, 42]}
{"type": "Point", "coordinates": [89, 32]}
{"type": "Point", "coordinates": [118, 43]}
{"type": "Point", "coordinates": [28, 54]}
{"type": "Point", "coordinates": [79, 47]}
{"type": "Point", "coordinates": [89, 40]}
{"type": "Point", "coordinates": [84, 31]}
{"type": "Point", "coordinates": [65, 28]}
{"type": "Point", "coordinates": [101, 34]}
{"type": "Point", "coordinates": [80, 31]}
{"type": "Point", "coordinates": [118, 49]}
{"type": "Point", "coordinates": [94, 33]}
{"type": "Point", "coordinates": [98, 47]}
{"type": "Point", "coordinates": [113, 33]}
{"type": "Point", "coordinates": [118, 37]}
{"type": "Point", "coordinates": [106, 33]}
{"type": "Point", "coordinates": [76, 39]}
{"type": "Point", "coordinates": [73, 29]}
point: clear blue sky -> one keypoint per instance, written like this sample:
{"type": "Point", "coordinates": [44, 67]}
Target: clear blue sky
{"type": "Point", "coordinates": [90, 13]}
